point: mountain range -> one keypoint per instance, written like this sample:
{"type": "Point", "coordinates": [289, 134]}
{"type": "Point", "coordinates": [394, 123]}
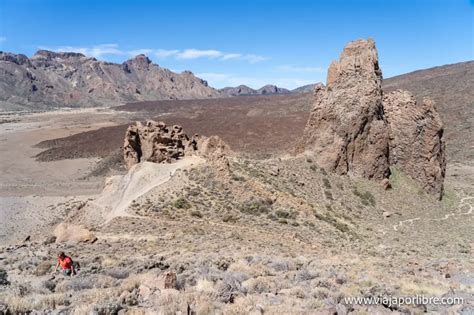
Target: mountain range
{"type": "Point", "coordinates": [50, 80]}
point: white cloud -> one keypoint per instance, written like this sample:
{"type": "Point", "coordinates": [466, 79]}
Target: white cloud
{"type": "Point", "coordinates": [143, 51]}
{"type": "Point", "coordinates": [196, 53]}
{"type": "Point", "coordinates": [94, 51]}
{"type": "Point", "coordinates": [163, 53]}
{"type": "Point", "coordinates": [254, 58]}
{"type": "Point", "coordinates": [231, 56]}
{"type": "Point", "coordinates": [186, 54]}
{"type": "Point", "coordinates": [288, 68]}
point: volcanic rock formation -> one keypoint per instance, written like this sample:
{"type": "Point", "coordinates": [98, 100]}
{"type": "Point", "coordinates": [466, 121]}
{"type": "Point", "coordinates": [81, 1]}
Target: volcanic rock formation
{"type": "Point", "coordinates": [353, 129]}
{"type": "Point", "coordinates": [346, 132]}
{"type": "Point", "coordinates": [155, 142]}
{"type": "Point", "coordinates": [417, 146]}
{"type": "Point", "coordinates": [158, 143]}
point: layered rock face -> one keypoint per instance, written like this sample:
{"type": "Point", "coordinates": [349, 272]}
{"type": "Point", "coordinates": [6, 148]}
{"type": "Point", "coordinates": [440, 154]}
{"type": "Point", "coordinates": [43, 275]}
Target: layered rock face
{"type": "Point", "coordinates": [353, 129]}
{"type": "Point", "coordinates": [158, 143]}
{"type": "Point", "coordinates": [417, 145]}
{"type": "Point", "coordinates": [346, 132]}
{"type": "Point", "coordinates": [155, 142]}
{"type": "Point", "coordinates": [52, 79]}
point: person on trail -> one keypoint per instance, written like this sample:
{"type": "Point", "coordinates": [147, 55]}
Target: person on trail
{"type": "Point", "coordinates": [66, 264]}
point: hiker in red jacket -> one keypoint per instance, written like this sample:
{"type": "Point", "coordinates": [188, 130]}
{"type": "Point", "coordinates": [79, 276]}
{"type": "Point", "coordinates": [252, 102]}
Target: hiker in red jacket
{"type": "Point", "coordinates": [66, 264]}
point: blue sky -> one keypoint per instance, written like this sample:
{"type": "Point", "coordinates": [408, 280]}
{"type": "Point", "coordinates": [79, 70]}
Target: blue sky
{"type": "Point", "coordinates": [230, 42]}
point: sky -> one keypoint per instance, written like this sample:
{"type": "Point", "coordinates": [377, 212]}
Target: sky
{"type": "Point", "coordinates": [230, 42]}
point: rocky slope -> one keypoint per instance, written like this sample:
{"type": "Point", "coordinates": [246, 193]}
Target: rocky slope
{"type": "Point", "coordinates": [50, 79]}
{"type": "Point", "coordinates": [245, 90]}
{"type": "Point", "coordinates": [353, 129]}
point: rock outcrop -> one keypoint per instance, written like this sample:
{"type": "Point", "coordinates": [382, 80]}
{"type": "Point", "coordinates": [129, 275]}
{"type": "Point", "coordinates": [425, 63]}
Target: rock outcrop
{"type": "Point", "coordinates": [354, 129]}
{"type": "Point", "coordinates": [417, 145]}
{"type": "Point", "coordinates": [155, 142]}
{"type": "Point", "coordinates": [158, 143]}
{"type": "Point", "coordinates": [66, 232]}
{"type": "Point", "coordinates": [346, 132]}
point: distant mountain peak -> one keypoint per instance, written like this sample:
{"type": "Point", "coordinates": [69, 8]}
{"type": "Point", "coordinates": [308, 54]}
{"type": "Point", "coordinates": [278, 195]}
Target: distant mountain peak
{"type": "Point", "coordinates": [43, 53]}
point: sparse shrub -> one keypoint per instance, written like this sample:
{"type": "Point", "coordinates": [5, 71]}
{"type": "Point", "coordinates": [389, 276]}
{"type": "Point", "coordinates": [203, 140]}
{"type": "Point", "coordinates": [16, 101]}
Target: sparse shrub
{"type": "Point", "coordinates": [257, 285]}
{"type": "Point", "coordinates": [229, 219]}
{"type": "Point", "coordinates": [196, 214]}
{"type": "Point", "coordinates": [42, 268]}
{"type": "Point", "coordinates": [256, 207]}
{"type": "Point", "coordinates": [4, 277]}
{"type": "Point", "coordinates": [282, 214]}
{"type": "Point", "coordinates": [314, 168]}
{"type": "Point", "coordinates": [75, 284]}
{"type": "Point", "coordinates": [366, 197]}
{"type": "Point", "coordinates": [328, 195]}
{"type": "Point", "coordinates": [117, 273]}
{"type": "Point", "coordinates": [229, 288]}
{"type": "Point", "coordinates": [281, 265]}
{"type": "Point", "coordinates": [181, 203]}
{"type": "Point", "coordinates": [108, 308]}
{"type": "Point", "coordinates": [304, 275]}
{"type": "Point", "coordinates": [309, 160]}
{"type": "Point", "coordinates": [326, 183]}
{"type": "Point", "coordinates": [49, 285]}
{"type": "Point", "coordinates": [237, 178]}
{"type": "Point", "coordinates": [282, 221]}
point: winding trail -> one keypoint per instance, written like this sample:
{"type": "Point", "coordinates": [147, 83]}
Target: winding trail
{"type": "Point", "coordinates": [463, 203]}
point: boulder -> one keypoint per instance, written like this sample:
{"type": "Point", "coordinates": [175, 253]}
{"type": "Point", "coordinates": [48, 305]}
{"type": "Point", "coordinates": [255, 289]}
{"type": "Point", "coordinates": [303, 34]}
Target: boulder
{"type": "Point", "coordinates": [66, 232]}
{"type": "Point", "coordinates": [417, 145]}
{"type": "Point", "coordinates": [346, 132]}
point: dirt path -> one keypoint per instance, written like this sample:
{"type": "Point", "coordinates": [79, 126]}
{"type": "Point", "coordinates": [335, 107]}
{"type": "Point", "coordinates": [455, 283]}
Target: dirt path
{"type": "Point", "coordinates": [121, 191]}
{"type": "Point", "coordinates": [465, 202]}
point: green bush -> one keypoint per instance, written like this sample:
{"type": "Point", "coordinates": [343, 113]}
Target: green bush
{"type": "Point", "coordinates": [181, 203]}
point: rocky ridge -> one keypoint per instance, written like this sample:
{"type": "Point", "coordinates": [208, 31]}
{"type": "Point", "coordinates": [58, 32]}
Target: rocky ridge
{"type": "Point", "coordinates": [66, 79]}
{"type": "Point", "coordinates": [242, 90]}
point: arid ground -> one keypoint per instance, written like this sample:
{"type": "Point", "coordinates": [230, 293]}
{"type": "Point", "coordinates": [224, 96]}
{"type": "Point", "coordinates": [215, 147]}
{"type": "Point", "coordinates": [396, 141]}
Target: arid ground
{"type": "Point", "coordinates": [276, 234]}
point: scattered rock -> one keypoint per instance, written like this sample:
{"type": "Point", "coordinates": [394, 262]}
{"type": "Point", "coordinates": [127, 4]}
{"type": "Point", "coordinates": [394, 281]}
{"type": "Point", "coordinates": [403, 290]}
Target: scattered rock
{"type": "Point", "coordinates": [170, 280]}
{"type": "Point", "coordinates": [385, 183]}
{"type": "Point", "coordinates": [66, 232]}
{"type": "Point", "coordinates": [49, 240]}
{"type": "Point", "coordinates": [387, 214]}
